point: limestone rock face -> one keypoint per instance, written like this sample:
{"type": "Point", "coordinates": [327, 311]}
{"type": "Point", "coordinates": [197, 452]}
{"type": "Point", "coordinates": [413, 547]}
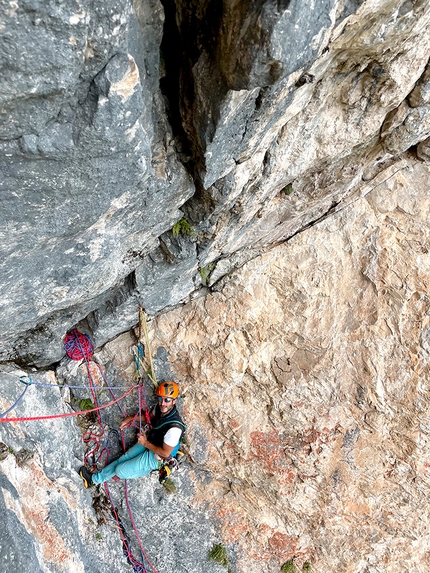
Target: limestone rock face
{"type": "Point", "coordinates": [47, 520]}
{"type": "Point", "coordinates": [255, 118]}
{"type": "Point", "coordinates": [50, 523]}
{"type": "Point", "coordinates": [307, 376]}
{"type": "Point", "coordinates": [304, 385]}
{"type": "Point", "coordinates": [255, 174]}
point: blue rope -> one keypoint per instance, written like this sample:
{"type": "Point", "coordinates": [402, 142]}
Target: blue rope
{"type": "Point", "coordinates": [62, 385]}
{"type": "Point", "coordinates": [111, 442]}
{"type": "Point", "coordinates": [110, 388]}
{"type": "Point", "coordinates": [95, 395]}
{"type": "Point", "coordinates": [27, 385]}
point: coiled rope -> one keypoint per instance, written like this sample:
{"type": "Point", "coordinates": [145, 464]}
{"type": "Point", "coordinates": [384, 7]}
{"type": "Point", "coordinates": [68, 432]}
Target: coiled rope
{"type": "Point", "coordinates": [78, 345]}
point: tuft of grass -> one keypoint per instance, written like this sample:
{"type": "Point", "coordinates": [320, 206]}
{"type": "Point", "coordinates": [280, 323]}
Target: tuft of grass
{"type": "Point", "coordinates": [86, 404]}
{"type": "Point", "coordinates": [10, 450]}
{"type": "Point", "coordinates": [206, 271]}
{"type": "Point", "coordinates": [218, 553]}
{"type": "Point", "coordinates": [169, 485]}
{"type": "Point", "coordinates": [288, 189]}
{"type": "Point", "coordinates": [307, 567]}
{"type": "Point", "coordinates": [99, 536]}
{"type": "Point", "coordinates": [182, 227]}
{"type": "Point", "coordinates": [289, 567]}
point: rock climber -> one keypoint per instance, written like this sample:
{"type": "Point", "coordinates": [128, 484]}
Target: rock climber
{"type": "Point", "coordinates": [160, 442]}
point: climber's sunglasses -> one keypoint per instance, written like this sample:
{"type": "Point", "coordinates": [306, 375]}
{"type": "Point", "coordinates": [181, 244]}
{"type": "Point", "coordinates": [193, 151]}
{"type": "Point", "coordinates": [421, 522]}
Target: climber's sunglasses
{"type": "Point", "coordinates": [161, 400]}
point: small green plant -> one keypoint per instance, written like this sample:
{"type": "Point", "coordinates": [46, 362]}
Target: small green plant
{"type": "Point", "coordinates": [288, 189]}
{"type": "Point", "coordinates": [86, 404]}
{"type": "Point", "coordinates": [218, 553]}
{"type": "Point", "coordinates": [99, 536]}
{"type": "Point", "coordinates": [182, 227]}
{"type": "Point", "coordinates": [289, 567]}
{"type": "Point", "coordinates": [206, 271]}
{"type": "Point", "coordinates": [90, 521]}
{"type": "Point", "coordinates": [307, 567]}
{"type": "Point", "coordinates": [169, 485]}
{"type": "Point", "coordinates": [10, 450]}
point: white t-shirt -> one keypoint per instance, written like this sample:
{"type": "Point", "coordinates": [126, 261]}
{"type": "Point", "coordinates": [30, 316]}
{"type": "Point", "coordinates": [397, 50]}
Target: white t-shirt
{"type": "Point", "coordinates": [172, 436]}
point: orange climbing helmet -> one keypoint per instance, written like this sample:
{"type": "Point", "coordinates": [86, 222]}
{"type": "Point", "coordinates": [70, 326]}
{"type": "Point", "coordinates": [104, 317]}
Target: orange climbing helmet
{"type": "Point", "coordinates": [168, 390]}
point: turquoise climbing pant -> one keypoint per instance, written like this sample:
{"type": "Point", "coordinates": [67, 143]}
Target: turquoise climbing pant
{"type": "Point", "coordinates": [138, 461]}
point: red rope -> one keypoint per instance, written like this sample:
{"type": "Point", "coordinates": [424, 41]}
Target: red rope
{"type": "Point", "coordinates": [82, 412]}
{"type": "Point", "coordinates": [93, 390]}
{"type": "Point", "coordinates": [130, 513]}
{"type": "Point", "coordinates": [145, 405]}
{"type": "Point", "coordinates": [137, 566]}
{"type": "Point", "coordinates": [89, 437]}
{"type": "Point", "coordinates": [78, 346]}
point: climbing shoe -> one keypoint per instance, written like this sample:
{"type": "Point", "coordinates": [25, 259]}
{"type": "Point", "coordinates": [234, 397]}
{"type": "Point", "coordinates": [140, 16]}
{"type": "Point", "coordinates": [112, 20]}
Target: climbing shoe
{"type": "Point", "coordinates": [86, 476]}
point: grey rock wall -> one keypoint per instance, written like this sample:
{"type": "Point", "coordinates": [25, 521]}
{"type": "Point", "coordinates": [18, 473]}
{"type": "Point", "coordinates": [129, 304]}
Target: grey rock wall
{"type": "Point", "coordinates": [89, 177]}
{"type": "Point", "coordinates": [252, 120]}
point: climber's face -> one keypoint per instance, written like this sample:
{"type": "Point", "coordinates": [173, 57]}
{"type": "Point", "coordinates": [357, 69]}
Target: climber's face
{"type": "Point", "coordinates": [165, 404]}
